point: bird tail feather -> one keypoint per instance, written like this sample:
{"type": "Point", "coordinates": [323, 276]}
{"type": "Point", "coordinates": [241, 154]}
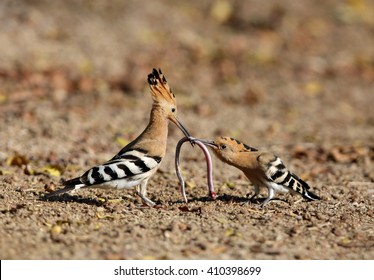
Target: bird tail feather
{"type": "Point", "coordinates": [302, 188]}
{"type": "Point", "coordinates": [69, 185]}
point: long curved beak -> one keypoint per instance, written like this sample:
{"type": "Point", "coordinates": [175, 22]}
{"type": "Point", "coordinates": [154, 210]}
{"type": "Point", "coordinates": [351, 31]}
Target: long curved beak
{"type": "Point", "coordinates": [181, 127]}
{"type": "Point", "coordinates": [209, 143]}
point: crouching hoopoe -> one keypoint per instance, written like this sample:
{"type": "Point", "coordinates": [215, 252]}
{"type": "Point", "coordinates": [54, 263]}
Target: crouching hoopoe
{"type": "Point", "coordinates": [262, 169]}
{"type": "Point", "coordinates": [139, 160]}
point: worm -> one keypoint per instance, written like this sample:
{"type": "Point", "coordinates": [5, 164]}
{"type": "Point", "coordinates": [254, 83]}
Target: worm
{"type": "Point", "coordinates": [208, 159]}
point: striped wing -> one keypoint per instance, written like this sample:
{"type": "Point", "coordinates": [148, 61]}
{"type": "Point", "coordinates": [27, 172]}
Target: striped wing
{"type": "Point", "coordinates": [276, 172]}
{"type": "Point", "coordinates": [123, 166]}
{"type": "Point", "coordinates": [274, 168]}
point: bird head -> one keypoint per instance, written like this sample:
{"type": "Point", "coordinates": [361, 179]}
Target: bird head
{"type": "Point", "coordinates": [164, 98]}
{"type": "Point", "coordinates": [227, 149]}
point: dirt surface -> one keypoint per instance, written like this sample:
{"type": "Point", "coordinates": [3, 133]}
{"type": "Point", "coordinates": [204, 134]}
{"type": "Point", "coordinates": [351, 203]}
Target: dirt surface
{"type": "Point", "coordinates": [291, 77]}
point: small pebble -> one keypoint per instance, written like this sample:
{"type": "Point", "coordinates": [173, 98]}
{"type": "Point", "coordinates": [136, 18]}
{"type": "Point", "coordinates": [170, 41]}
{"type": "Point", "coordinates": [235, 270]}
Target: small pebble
{"type": "Point", "coordinates": [56, 229]}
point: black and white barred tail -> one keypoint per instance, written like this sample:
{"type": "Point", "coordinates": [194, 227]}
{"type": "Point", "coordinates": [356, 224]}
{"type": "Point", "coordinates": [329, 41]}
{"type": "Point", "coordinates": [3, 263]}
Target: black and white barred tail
{"type": "Point", "coordinates": [70, 185]}
{"type": "Point", "coordinates": [299, 186]}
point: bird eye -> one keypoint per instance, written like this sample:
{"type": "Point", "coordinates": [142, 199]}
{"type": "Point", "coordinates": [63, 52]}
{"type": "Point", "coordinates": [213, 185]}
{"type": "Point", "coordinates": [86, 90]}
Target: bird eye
{"type": "Point", "coordinates": [173, 110]}
{"type": "Point", "coordinates": [223, 147]}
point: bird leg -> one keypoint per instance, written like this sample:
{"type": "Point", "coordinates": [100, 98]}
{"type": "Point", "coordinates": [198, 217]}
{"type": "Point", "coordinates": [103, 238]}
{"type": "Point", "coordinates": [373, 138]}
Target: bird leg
{"type": "Point", "coordinates": [257, 191]}
{"type": "Point", "coordinates": [142, 191]}
{"type": "Point", "coordinates": [271, 194]}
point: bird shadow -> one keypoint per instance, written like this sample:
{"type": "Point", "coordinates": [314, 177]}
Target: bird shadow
{"type": "Point", "coordinates": [224, 198]}
{"type": "Point", "coordinates": [72, 198]}
{"type": "Point", "coordinates": [231, 199]}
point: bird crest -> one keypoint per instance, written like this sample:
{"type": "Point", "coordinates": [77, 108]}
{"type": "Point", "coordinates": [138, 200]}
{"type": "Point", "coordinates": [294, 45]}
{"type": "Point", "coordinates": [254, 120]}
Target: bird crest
{"type": "Point", "coordinates": [160, 89]}
{"type": "Point", "coordinates": [237, 145]}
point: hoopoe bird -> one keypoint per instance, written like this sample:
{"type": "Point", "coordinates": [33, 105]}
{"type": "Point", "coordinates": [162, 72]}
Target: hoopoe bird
{"type": "Point", "coordinates": [262, 169]}
{"type": "Point", "coordinates": [140, 159]}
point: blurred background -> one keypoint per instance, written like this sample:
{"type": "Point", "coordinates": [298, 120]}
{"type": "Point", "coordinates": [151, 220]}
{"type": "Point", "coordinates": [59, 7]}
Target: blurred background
{"type": "Point", "coordinates": [292, 77]}
{"type": "Point", "coordinates": [269, 73]}
{"type": "Point", "coordinates": [278, 67]}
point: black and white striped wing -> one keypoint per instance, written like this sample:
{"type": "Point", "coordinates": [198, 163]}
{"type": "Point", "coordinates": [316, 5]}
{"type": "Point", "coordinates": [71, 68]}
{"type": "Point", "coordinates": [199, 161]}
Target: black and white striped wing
{"type": "Point", "coordinates": [274, 169]}
{"type": "Point", "coordinates": [276, 172]}
{"type": "Point", "coordinates": [130, 164]}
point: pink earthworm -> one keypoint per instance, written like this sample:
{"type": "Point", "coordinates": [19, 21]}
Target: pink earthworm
{"type": "Point", "coordinates": [208, 159]}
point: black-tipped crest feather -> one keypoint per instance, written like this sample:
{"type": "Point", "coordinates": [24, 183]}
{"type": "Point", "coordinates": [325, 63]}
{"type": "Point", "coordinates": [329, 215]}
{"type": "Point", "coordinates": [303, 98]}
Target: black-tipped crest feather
{"type": "Point", "coordinates": [153, 77]}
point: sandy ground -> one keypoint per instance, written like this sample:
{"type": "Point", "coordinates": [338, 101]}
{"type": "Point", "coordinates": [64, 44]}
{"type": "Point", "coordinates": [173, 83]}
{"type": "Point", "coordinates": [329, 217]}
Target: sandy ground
{"type": "Point", "coordinates": [294, 78]}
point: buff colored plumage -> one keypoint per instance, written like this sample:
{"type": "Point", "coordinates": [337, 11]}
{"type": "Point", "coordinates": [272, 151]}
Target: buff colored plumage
{"type": "Point", "coordinates": [139, 160]}
{"type": "Point", "coordinates": [262, 169]}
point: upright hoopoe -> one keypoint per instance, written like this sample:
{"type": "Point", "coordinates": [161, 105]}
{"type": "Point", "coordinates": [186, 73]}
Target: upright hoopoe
{"type": "Point", "coordinates": [140, 159]}
{"type": "Point", "coordinates": [262, 169]}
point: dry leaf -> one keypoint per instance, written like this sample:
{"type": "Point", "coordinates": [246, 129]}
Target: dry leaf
{"type": "Point", "coordinates": [313, 88]}
{"type": "Point", "coordinates": [50, 187]}
{"type": "Point", "coordinates": [183, 226]}
{"type": "Point", "coordinates": [229, 232]}
{"type": "Point", "coordinates": [230, 185]}
{"type": "Point", "coordinates": [347, 154]}
{"type": "Point", "coordinates": [253, 95]}
{"type": "Point", "coordinates": [5, 172]}
{"type": "Point", "coordinates": [53, 170]}
{"type": "Point", "coordinates": [101, 215]}
{"type": "Point", "coordinates": [318, 154]}
{"type": "Point", "coordinates": [17, 160]}
{"type": "Point", "coordinates": [190, 184]}
{"type": "Point", "coordinates": [187, 209]}
{"type": "Point", "coordinates": [61, 222]}
{"type": "Point", "coordinates": [218, 250]}
{"type": "Point", "coordinates": [28, 170]}
{"type": "Point", "coordinates": [122, 141]}
{"type": "Point", "coordinates": [221, 11]}
{"type": "Point", "coordinates": [3, 98]}
{"type": "Point", "coordinates": [98, 226]}
{"type": "Point", "coordinates": [221, 220]}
